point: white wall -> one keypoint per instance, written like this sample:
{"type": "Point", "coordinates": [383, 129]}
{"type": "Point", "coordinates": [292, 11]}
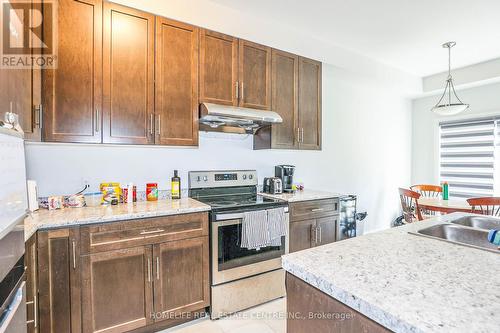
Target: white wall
{"type": "Point", "coordinates": [483, 100]}
{"type": "Point", "coordinates": [366, 133]}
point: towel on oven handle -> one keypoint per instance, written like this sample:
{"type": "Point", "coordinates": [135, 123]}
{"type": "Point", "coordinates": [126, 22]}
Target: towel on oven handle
{"type": "Point", "coordinates": [263, 228]}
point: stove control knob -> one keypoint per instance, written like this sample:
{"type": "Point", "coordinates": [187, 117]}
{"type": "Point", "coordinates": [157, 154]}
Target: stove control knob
{"type": "Point", "coordinates": [244, 177]}
{"type": "Point", "coordinates": [205, 178]}
{"type": "Point", "coordinates": [198, 178]}
{"type": "Point", "coordinates": [250, 176]}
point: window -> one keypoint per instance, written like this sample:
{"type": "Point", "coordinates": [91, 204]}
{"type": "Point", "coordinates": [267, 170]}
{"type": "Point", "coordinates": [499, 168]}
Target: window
{"type": "Point", "coordinates": [467, 157]}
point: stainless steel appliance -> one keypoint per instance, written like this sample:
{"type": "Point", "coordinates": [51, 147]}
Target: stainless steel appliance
{"type": "Point", "coordinates": [241, 278]}
{"type": "Point", "coordinates": [13, 209]}
{"type": "Point", "coordinates": [285, 173]}
{"type": "Point", "coordinates": [233, 119]}
{"type": "Point", "coordinates": [273, 185]}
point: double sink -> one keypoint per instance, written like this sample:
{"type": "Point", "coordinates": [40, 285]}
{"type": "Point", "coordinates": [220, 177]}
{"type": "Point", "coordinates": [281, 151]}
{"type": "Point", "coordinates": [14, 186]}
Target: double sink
{"type": "Point", "coordinates": [468, 231]}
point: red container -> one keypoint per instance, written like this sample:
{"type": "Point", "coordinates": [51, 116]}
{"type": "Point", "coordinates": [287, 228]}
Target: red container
{"type": "Point", "coordinates": [152, 192]}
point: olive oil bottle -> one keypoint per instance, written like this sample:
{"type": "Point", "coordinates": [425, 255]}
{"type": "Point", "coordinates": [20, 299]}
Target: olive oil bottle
{"type": "Point", "coordinates": [175, 186]}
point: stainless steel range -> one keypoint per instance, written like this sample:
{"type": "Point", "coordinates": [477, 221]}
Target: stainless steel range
{"type": "Point", "coordinates": [241, 277]}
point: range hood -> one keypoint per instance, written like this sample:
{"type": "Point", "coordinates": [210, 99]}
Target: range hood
{"type": "Point", "coordinates": [223, 118]}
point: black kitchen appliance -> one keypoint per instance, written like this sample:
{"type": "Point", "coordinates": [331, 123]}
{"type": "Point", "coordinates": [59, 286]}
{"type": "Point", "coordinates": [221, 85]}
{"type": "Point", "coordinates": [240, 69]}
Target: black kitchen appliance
{"type": "Point", "coordinates": [236, 271]}
{"type": "Point", "coordinates": [285, 173]}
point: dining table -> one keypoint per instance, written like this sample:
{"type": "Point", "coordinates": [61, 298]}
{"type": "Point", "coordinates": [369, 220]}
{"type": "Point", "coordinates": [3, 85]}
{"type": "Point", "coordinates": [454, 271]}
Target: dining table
{"type": "Point", "coordinates": [444, 206]}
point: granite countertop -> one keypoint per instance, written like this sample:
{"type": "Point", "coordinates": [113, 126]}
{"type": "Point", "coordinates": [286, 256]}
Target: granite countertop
{"type": "Point", "coordinates": [405, 282]}
{"type": "Point", "coordinates": [304, 195]}
{"type": "Point", "coordinates": [47, 219]}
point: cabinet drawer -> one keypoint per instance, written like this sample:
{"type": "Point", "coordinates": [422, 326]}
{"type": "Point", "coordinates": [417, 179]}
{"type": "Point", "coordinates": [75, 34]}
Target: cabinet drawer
{"type": "Point", "coordinates": [124, 234]}
{"type": "Point", "coordinates": [313, 209]}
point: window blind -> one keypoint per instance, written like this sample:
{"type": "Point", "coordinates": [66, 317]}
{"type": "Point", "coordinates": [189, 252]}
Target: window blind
{"type": "Point", "coordinates": [467, 156]}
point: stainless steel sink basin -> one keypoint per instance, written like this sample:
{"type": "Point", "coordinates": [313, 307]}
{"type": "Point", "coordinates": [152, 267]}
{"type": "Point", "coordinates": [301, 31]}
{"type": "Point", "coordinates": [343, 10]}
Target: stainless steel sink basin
{"type": "Point", "coordinates": [483, 222]}
{"type": "Point", "coordinates": [476, 238]}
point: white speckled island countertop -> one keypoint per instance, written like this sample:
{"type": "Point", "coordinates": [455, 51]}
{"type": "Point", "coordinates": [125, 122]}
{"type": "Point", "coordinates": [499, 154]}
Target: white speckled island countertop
{"type": "Point", "coordinates": [407, 283]}
{"type": "Point", "coordinates": [47, 219]}
{"type": "Point", "coordinates": [304, 195]}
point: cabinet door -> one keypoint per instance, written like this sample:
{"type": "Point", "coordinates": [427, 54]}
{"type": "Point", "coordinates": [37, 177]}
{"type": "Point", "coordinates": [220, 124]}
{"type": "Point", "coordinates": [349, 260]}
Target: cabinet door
{"type": "Point", "coordinates": [128, 70]}
{"type": "Point", "coordinates": [218, 68]}
{"type": "Point", "coordinates": [181, 276]}
{"type": "Point", "coordinates": [302, 235]}
{"type": "Point", "coordinates": [326, 229]}
{"type": "Point", "coordinates": [72, 92]}
{"type": "Point", "coordinates": [310, 104]}
{"type": "Point", "coordinates": [176, 88]}
{"type": "Point", "coordinates": [254, 75]}
{"type": "Point", "coordinates": [59, 280]}
{"type": "Point", "coordinates": [31, 263]}
{"type": "Point", "coordinates": [285, 71]}
{"type": "Point", "coordinates": [117, 290]}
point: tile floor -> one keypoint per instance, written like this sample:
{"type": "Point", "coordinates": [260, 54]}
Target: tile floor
{"type": "Point", "coordinates": [265, 318]}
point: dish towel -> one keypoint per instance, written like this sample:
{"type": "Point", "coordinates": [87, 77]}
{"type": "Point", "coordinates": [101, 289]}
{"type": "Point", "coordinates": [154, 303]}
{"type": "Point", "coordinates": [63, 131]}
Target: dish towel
{"type": "Point", "coordinates": [254, 230]}
{"type": "Point", "coordinates": [263, 228]}
{"type": "Point", "coordinates": [277, 225]}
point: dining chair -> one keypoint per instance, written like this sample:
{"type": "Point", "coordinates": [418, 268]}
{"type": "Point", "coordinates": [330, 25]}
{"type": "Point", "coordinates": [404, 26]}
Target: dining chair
{"type": "Point", "coordinates": [485, 205]}
{"type": "Point", "coordinates": [428, 191]}
{"type": "Point", "coordinates": [409, 203]}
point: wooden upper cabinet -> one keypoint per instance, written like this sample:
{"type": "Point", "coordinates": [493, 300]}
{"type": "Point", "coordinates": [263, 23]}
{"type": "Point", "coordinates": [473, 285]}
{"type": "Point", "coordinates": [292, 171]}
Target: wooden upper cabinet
{"type": "Point", "coordinates": [72, 92]}
{"type": "Point", "coordinates": [181, 276]}
{"type": "Point", "coordinates": [254, 75]}
{"type": "Point", "coordinates": [59, 281]}
{"type": "Point", "coordinates": [117, 290]}
{"type": "Point", "coordinates": [128, 75]}
{"type": "Point", "coordinates": [218, 68]}
{"type": "Point", "coordinates": [285, 72]}
{"type": "Point", "coordinates": [310, 103]}
{"type": "Point", "coordinates": [176, 83]}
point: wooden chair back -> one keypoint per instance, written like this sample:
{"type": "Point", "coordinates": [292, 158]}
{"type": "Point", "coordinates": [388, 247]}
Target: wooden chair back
{"type": "Point", "coordinates": [409, 203]}
{"type": "Point", "coordinates": [428, 191]}
{"type": "Point", "coordinates": [485, 205]}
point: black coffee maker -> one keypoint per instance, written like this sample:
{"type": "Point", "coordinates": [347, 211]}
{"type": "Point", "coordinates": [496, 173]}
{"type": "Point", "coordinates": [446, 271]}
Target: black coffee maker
{"type": "Point", "coordinates": [285, 173]}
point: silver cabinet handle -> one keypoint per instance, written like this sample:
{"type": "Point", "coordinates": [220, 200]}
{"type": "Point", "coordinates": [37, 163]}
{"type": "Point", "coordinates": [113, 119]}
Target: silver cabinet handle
{"type": "Point", "coordinates": [97, 127]}
{"type": "Point", "coordinates": [319, 234]}
{"type": "Point", "coordinates": [242, 92]}
{"type": "Point", "coordinates": [298, 134]}
{"type": "Point", "coordinates": [74, 254]}
{"type": "Point", "coordinates": [313, 234]}
{"type": "Point", "coordinates": [302, 134]}
{"type": "Point", "coordinates": [317, 209]}
{"type": "Point", "coordinates": [151, 124]}
{"type": "Point", "coordinates": [157, 268]}
{"type": "Point", "coordinates": [159, 124]}
{"type": "Point", "coordinates": [237, 90]}
{"type": "Point", "coordinates": [149, 270]}
{"type": "Point", "coordinates": [151, 231]}
{"type": "Point", "coordinates": [37, 117]}
{"type": "Point", "coordinates": [35, 310]}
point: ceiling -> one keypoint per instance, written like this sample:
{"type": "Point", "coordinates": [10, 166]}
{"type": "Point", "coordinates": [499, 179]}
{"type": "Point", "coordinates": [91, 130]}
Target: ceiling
{"type": "Point", "coordinates": [405, 34]}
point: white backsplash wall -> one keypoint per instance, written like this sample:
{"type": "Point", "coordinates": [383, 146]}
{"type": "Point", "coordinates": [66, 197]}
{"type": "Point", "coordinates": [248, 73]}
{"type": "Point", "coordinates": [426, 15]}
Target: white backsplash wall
{"type": "Point", "coordinates": [366, 151]}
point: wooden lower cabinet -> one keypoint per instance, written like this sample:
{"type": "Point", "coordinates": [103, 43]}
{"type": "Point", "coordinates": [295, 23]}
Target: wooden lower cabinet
{"type": "Point", "coordinates": [59, 280]}
{"type": "Point", "coordinates": [181, 281]}
{"type": "Point", "coordinates": [117, 290]}
{"type": "Point", "coordinates": [304, 301]}
{"type": "Point", "coordinates": [313, 223]}
{"type": "Point", "coordinates": [301, 235]}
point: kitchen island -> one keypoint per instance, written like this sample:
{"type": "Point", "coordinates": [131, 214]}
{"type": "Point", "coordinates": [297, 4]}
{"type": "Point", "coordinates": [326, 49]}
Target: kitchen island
{"type": "Point", "coordinates": [396, 281]}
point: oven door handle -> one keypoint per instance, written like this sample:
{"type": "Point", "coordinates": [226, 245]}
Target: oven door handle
{"type": "Point", "coordinates": [12, 309]}
{"type": "Point", "coordinates": [235, 216]}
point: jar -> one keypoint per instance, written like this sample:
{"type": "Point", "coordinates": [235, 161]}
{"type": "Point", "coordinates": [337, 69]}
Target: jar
{"type": "Point", "coordinates": [93, 199]}
{"type": "Point", "coordinates": [152, 192]}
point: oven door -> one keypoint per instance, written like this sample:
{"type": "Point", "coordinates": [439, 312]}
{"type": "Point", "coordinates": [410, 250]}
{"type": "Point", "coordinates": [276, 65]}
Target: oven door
{"type": "Point", "coordinates": [230, 261]}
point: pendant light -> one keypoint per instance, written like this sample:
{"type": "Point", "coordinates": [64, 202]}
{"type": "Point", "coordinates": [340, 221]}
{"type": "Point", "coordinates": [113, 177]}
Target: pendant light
{"type": "Point", "coordinates": [449, 104]}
